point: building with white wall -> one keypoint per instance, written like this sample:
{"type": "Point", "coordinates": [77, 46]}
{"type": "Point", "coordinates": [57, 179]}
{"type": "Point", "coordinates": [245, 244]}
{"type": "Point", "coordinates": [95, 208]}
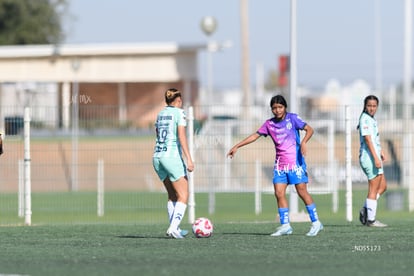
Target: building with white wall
{"type": "Point", "coordinates": [92, 75]}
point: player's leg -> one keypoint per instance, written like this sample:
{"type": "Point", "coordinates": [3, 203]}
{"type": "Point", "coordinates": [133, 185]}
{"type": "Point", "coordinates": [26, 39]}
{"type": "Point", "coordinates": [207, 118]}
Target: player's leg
{"type": "Point", "coordinates": [367, 167]}
{"type": "Point", "coordinates": [282, 203]}
{"type": "Point", "coordinates": [279, 187]}
{"type": "Point", "coordinates": [371, 202]}
{"type": "Point", "coordinates": [382, 185]}
{"type": "Point", "coordinates": [303, 193]}
{"type": "Point", "coordinates": [181, 189]}
{"type": "Point", "coordinates": [177, 186]}
{"type": "Point", "coordinates": [163, 175]}
{"type": "Point", "coordinates": [172, 197]}
{"type": "Point", "coordinates": [280, 195]}
{"type": "Point", "coordinates": [172, 202]}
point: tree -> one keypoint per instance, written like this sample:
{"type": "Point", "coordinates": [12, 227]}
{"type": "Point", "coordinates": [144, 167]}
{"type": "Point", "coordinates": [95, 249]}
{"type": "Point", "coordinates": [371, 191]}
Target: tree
{"type": "Point", "coordinates": [31, 21]}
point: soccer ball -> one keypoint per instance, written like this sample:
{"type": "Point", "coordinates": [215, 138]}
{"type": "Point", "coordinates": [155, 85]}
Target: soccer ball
{"type": "Point", "coordinates": [202, 228]}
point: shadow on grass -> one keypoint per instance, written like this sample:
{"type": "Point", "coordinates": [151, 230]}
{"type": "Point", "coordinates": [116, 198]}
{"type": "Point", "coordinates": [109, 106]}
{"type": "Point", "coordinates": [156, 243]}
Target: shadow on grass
{"type": "Point", "coordinates": [142, 237]}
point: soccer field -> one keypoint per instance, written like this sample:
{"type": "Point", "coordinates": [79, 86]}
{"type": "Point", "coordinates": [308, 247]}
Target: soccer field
{"type": "Point", "coordinates": [67, 238]}
{"type": "Point", "coordinates": [234, 249]}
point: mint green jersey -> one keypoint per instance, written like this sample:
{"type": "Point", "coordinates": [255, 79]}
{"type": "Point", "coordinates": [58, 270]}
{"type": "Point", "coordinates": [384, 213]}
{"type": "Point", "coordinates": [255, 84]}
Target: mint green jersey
{"type": "Point", "coordinates": [368, 126]}
{"type": "Point", "coordinates": [167, 143]}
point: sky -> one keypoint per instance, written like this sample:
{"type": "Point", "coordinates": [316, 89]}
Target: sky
{"type": "Point", "coordinates": [340, 39]}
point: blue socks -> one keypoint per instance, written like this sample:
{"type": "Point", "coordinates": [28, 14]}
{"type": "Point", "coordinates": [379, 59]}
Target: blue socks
{"type": "Point", "coordinates": [313, 215]}
{"type": "Point", "coordinates": [284, 215]}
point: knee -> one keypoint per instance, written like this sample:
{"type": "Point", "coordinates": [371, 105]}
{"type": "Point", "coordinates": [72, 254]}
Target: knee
{"type": "Point", "coordinates": [182, 197]}
{"type": "Point", "coordinates": [302, 191]}
{"type": "Point", "coordinates": [280, 194]}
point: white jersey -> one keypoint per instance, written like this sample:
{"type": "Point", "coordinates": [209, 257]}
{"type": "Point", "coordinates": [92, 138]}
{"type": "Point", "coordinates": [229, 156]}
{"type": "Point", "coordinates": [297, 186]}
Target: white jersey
{"type": "Point", "coordinates": [167, 143]}
{"type": "Point", "coordinates": [368, 126]}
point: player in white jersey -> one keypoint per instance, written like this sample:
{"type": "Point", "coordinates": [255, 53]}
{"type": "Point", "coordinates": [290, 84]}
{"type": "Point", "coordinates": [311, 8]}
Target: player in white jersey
{"type": "Point", "coordinates": [371, 157]}
{"type": "Point", "coordinates": [170, 145]}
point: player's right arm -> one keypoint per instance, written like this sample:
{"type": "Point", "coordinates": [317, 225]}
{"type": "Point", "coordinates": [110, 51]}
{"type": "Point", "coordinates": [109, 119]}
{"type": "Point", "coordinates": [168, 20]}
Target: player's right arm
{"type": "Point", "coordinates": [250, 139]}
{"type": "Point", "coordinates": [371, 148]}
{"type": "Point", "coordinates": [184, 146]}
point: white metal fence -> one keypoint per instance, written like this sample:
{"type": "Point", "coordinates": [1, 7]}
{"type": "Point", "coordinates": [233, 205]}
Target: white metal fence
{"type": "Point", "coordinates": [112, 158]}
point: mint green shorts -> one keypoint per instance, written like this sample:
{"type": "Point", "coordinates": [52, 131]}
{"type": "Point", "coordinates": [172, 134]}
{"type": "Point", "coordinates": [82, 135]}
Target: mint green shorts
{"type": "Point", "coordinates": [368, 166]}
{"type": "Point", "coordinates": [173, 168]}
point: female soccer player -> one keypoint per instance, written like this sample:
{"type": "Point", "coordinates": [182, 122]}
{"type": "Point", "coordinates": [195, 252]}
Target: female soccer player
{"type": "Point", "coordinates": [370, 159]}
{"type": "Point", "coordinates": [290, 166]}
{"type": "Point", "coordinates": [171, 143]}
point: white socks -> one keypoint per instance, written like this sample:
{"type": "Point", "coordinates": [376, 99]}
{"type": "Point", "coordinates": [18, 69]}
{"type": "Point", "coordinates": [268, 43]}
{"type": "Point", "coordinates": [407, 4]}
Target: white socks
{"type": "Point", "coordinates": [371, 205]}
{"type": "Point", "coordinates": [177, 215]}
{"type": "Point", "coordinates": [170, 209]}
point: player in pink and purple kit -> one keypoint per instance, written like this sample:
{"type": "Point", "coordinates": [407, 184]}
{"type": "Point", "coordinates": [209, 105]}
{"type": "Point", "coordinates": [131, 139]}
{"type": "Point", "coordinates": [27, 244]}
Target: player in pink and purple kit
{"type": "Point", "coordinates": [290, 165]}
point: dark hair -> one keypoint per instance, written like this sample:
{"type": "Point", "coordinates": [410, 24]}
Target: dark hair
{"type": "Point", "coordinates": [279, 100]}
{"type": "Point", "coordinates": [368, 98]}
{"type": "Point", "coordinates": [171, 94]}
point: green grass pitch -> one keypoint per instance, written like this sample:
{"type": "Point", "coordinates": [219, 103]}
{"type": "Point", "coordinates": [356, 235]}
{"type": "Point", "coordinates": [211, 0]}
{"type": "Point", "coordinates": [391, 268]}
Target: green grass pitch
{"type": "Point", "coordinates": [240, 245]}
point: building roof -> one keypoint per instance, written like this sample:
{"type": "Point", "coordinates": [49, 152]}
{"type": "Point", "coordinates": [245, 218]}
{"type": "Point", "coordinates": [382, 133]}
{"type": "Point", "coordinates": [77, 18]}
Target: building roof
{"type": "Point", "coordinates": [103, 49]}
{"type": "Point", "coordinates": [105, 62]}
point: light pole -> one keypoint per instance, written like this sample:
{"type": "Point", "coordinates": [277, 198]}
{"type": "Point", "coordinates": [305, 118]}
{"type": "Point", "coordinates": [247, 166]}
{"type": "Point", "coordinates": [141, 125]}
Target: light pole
{"type": "Point", "coordinates": [245, 63]}
{"type": "Point", "coordinates": [208, 25]}
{"type": "Point", "coordinates": [293, 197]}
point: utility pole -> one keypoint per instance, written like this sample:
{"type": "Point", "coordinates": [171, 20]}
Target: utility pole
{"type": "Point", "coordinates": [245, 74]}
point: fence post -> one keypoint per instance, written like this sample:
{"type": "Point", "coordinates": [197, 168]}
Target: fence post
{"type": "Point", "coordinates": [101, 187]}
{"type": "Point", "coordinates": [258, 188]}
{"type": "Point", "coordinates": [20, 196]}
{"type": "Point", "coordinates": [27, 169]}
{"type": "Point", "coordinates": [348, 165]}
{"type": "Point", "coordinates": [333, 178]}
{"type": "Point", "coordinates": [191, 196]}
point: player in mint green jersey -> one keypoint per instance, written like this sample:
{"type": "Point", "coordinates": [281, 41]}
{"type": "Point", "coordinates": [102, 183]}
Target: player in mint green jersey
{"type": "Point", "coordinates": [170, 146]}
{"type": "Point", "coordinates": [370, 159]}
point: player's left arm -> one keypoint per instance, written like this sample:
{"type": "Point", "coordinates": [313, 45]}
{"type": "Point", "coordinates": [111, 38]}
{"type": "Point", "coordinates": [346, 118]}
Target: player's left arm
{"type": "Point", "coordinates": [1, 145]}
{"type": "Point", "coordinates": [309, 132]}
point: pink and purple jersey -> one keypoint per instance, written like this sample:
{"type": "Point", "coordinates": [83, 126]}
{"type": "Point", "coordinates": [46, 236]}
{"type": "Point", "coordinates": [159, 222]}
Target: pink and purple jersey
{"type": "Point", "coordinates": [285, 136]}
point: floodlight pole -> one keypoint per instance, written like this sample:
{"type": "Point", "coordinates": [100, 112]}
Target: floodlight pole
{"type": "Point", "coordinates": [293, 197]}
{"type": "Point", "coordinates": [245, 74]}
{"type": "Point", "coordinates": [407, 164]}
{"type": "Point", "coordinates": [208, 25]}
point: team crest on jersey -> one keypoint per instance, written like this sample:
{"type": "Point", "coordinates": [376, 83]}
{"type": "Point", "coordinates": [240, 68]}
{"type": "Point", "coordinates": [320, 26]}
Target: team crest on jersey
{"type": "Point", "coordinates": [289, 125]}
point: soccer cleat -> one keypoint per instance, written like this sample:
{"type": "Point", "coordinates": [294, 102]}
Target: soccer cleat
{"type": "Point", "coordinates": [174, 233]}
{"type": "Point", "coordinates": [363, 215]}
{"type": "Point", "coordinates": [376, 223]}
{"type": "Point", "coordinates": [285, 229]}
{"type": "Point", "coordinates": [315, 228]}
{"type": "Point", "coordinates": [183, 232]}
